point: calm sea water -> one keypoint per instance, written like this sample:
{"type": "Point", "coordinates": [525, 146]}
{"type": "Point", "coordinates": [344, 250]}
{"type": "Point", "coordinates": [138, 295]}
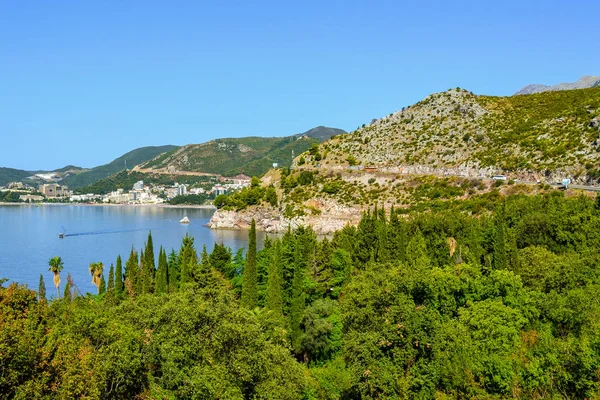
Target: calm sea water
{"type": "Point", "coordinates": [29, 238]}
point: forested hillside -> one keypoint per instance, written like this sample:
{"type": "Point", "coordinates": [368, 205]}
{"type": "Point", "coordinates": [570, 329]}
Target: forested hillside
{"type": "Point", "coordinates": [132, 158]}
{"type": "Point", "coordinates": [431, 304]}
{"type": "Point", "coordinates": [252, 156]}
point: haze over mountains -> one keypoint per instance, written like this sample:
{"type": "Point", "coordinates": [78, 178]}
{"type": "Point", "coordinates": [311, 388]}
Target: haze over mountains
{"type": "Point", "coordinates": [583, 83]}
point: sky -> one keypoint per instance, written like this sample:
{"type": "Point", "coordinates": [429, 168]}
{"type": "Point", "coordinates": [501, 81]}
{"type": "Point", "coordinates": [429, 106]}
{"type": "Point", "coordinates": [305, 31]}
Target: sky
{"type": "Point", "coordinates": [82, 82]}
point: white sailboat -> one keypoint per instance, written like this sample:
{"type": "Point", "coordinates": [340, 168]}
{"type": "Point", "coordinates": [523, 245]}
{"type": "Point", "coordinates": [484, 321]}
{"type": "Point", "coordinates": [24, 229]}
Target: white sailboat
{"type": "Point", "coordinates": [185, 220]}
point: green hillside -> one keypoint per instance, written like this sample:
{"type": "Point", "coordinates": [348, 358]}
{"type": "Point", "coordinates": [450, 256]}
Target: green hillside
{"type": "Point", "coordinates": [248, 155]}
{"type": "Point", "coordinates": [133, 158]}
{"type": "Point", "coordinates": [125, 180]}
{"type": "Point", "coordinates": [12, 175]}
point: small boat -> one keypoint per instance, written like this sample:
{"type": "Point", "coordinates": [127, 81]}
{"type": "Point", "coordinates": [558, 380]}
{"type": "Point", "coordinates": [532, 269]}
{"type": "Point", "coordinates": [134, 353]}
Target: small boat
{"type": "Point", "coordinates": [185, 220]}
{"type": "Point", "coordinates": [61, 235]}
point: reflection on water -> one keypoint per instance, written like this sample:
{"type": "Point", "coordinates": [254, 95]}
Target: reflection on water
{"type": "Point", "coordinates": [29, 237]}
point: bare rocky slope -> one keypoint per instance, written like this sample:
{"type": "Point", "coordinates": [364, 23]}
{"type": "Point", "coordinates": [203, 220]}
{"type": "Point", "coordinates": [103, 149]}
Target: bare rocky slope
{"type": "Point", "coordinates": [446, 147]}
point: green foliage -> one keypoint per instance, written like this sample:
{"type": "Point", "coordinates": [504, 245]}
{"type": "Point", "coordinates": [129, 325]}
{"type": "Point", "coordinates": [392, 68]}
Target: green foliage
{"type": "Point", "coordinates": [119, 277]}
{"type": "Point", "coordinates": [249, 282]}
{"type": "Point", "coordinates": [245, 197]}
{"type": "Point", "coordinates": [126, 179]}
{"type": "Point", "coordinates": [41, 289]}
{"type": "Point", "coordinates": [426, 305]}
{"type": "Point", "coordinates": [196, 199]}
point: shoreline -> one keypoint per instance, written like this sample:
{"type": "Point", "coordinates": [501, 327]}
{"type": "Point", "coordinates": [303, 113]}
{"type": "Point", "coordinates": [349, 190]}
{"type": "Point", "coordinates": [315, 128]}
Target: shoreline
{"type": "Point", "coordinates": [201, 206]}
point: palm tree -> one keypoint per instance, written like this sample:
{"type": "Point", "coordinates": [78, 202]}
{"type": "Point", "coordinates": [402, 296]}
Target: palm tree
{"type": "Point", "coordinates": [56, 265]}
{"type": "Point", "coordinates": [96, 272]}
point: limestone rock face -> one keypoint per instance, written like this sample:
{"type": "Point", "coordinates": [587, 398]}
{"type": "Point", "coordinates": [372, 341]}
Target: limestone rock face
{"type": "Point", "coordinates": [332, 217]}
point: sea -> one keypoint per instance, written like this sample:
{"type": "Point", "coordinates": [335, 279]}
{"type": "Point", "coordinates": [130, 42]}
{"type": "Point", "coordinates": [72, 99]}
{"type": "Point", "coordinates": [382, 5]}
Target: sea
{"type": "Point", "coordinates": [29, 237]}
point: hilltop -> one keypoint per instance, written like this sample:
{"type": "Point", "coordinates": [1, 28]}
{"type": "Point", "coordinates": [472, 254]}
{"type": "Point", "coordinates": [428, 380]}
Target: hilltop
{"type": "Point", "coordinates": [231, 156]}
{"type": "Point", "coordinates": [444, 148]}
{"type": "Point", "coordinates": [584, 82]}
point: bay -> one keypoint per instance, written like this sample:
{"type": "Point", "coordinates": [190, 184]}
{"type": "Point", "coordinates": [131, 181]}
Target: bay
{"type": "Point", "coordinates": [29, 238]}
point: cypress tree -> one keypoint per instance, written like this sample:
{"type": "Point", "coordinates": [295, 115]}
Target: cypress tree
{"type": "Point", "coordinates": [111, 279]}
{"type": "Point", "coordinates": [148, 266]}
{"type": "Point", "coordinates": [132, 272]}
{"type": "Point", "coordinates": [188, 260]}
{"type": "Point", "coordinates": [297, 301]}
{"type": "Point", "coordinates": [102, 287]}
{"type": "Point", "coordinates": [173, 271]}
{"type": "Point", "coordinates": [119, 277]}
{"type": "Point", "coordinates": [499, 256]}
{"type": "Point", "coordinates": [274, 298]}
{"type": "Point", "coordinates": [249, 278]}
{"type": "Point", "coordinates": [162, 275]}
{"type": "Point", "coordinates": [42, 289]}
{"type": "Point", "coordinates": [67, 291]}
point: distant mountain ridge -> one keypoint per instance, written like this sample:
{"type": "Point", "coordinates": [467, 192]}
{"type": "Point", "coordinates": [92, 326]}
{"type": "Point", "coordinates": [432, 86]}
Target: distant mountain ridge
{"type": "Point", "coordinates": [584, 82]}
{"type": "Point", "coordinates": [231, 156]}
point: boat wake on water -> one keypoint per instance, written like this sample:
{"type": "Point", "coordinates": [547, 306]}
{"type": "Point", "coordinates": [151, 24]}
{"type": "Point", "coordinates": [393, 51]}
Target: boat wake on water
{"type": "Point", "coordinates": [63, 235]}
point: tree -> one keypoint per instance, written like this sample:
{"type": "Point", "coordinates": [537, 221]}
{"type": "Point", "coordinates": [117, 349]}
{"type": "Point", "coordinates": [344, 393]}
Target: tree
{"type": "Point", "coordinates": [111, 279]}
{"type": "Point", "coordinates": [102, 288]}
{"type": "Point", "coordinates": [298, 301]}
{"type": "Point", "coordinates": [249, 278]}
{"type": "Point", "coordinates": [96, 269]}
{"type": "Point", "coordinates": [173, 271]}
{"type": "Point", "coordinates": [56, 265]}
{"type": "Point", "coordinates": [274, 298]}
{"type": "Point", "coordinates": [119, 277]}
{"type": "Point", "coordinates": [188, 260]}
{"type": "Point", "coordinates": [162, 275]}
{"type": "Point", "coordinates": [131, 273]}
{"type": "Point", "coordinates": [42, 289]}
{"type": "Point", "coordinates": [148, 266]}
{"type": "Point", "coordinates": [67, 296]}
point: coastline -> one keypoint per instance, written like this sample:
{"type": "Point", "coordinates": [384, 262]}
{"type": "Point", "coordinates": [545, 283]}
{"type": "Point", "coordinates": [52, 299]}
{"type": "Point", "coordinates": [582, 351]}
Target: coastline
{"type": "Point", "coordinates": [202, 206]}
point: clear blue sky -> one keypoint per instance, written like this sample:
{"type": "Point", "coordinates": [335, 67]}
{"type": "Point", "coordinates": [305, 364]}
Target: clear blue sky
{"type": "Point", "coordinates": [82, 82]}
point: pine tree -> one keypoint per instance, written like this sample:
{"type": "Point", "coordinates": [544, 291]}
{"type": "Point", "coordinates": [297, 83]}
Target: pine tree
{"type": "Point", "coordinates": [249, 278]}
{"type": "Point", "coordinates": [162, 275]}
{"type": "Point", "coordinates": [102, 287]}
{"type": "Point", "coordinates": [119, 277]}
{"type": "Point", "coordinates": [42, 289]}
{"type": "Point", "coordinates": [297, 301]}
{"type": "Point", "coordinates": [111, 279]}
{"type": "Point", "coordinates": [274, 297]}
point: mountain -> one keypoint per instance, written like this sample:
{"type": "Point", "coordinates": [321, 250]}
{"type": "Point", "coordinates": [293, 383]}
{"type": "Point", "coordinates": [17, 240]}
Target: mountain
{"type": "Point", "coordinates": [36, 177]}
{"type": "Point", "coordinates": [457, 132]}
{"type": "Point", "coordinates": [322, 133]}
{"type": "Point", "coordinates": [232, 156]}
{"type": "Point", "coordinates": [444, 148]}
{"type": "Point", "coordinates": [12, 175]}
{"type": "Point", "coordinates": [584, 82]}
{"type": "Point", "coordinates": [132, 158]}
